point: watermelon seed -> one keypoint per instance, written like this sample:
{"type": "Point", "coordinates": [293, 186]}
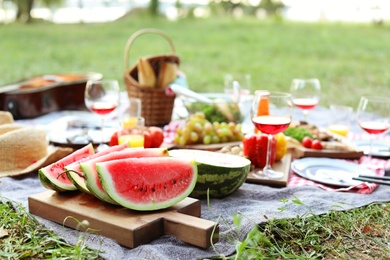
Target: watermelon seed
{"type": "Point", "coordinates": [174, 182]}
{"type": "Point", "coordinates": [153, 189]}
{"type": "Point", "coordinates": [61, 174]}
{"type": "Point", "coordinates": [79, 174]}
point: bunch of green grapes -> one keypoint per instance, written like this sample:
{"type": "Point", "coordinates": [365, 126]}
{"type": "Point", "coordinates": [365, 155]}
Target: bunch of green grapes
{"type": "Point", "coordinates": [198, 130]}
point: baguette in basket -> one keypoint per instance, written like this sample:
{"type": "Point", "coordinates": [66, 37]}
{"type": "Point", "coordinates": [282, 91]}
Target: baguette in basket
{"type": "Point", "coordinates": [146, 76]}
{"type": "Point", "coordinates": [167, 74]}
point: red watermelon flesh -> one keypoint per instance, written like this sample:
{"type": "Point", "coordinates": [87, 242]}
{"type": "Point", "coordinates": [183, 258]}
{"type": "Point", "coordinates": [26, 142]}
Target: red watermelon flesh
{"type": "Point", "coordinates": [75, 173]}
{"type": "Point", "coordinates": [148, 183]}
{"type": "Point", "coordinates": [53, 177]}
{"type": "Point", "coordinates": [91, 176]}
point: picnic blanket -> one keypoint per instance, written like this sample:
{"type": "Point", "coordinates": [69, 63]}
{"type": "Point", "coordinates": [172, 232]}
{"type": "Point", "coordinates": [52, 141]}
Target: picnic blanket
{"type": "Point", "coordinates": [253, 202]}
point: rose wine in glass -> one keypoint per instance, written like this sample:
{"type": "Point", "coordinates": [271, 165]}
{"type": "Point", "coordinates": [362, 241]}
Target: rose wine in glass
{"type": "Point", "coordinates": [274, 121]}
{"type": "Point", "coordinates": [102, 98]}
{"type": "Point", "coordinates": [373, 116]}
{"type": "Point", "coordinates": [305, 94]}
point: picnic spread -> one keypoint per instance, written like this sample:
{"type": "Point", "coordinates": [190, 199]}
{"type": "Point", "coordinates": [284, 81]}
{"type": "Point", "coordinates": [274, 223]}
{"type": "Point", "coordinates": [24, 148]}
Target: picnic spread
{"type": "Point", "coordinates": [190, 171]}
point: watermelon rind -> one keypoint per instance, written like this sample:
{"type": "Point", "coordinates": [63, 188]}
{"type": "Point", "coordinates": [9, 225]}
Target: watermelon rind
{"type": "Point", "coordinates": [93, 182]}
{"type": "Point", "coordinates": [54, 177]}
{"type": "Point", "coordinates": [75, 174]}
{"type": "Point", "coordinates": [219, 175]}
{"type": "Point", "coordinates": [147, 184]}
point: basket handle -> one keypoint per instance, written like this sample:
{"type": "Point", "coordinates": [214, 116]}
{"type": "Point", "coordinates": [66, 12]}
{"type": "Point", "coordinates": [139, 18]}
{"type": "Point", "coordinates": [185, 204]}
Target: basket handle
{"type": "Point", "coordinates": [145, 31]}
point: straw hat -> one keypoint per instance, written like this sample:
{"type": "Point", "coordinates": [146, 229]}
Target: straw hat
{"type": "Point", "coordinates": [25, 149]}
{"type": "Point", "coordinates": [6, 118]}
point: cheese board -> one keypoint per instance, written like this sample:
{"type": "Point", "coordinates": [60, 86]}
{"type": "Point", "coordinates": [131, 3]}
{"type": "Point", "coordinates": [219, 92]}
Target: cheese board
{"type": "Point", "coordinates": [333, 145]}
{"type": "Point", "coordinates": [128, 227]}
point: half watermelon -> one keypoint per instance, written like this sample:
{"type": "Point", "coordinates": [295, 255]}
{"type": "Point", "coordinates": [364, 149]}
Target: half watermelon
{"type": "Point", "coordinates": [219, 175]}
{"type": "Point", "coordinates": [54, 177]}
{"type": "Point", "coordinates": [75, 174]}
{"type": "Point", "coordinates": [91, 176]}
{"type": "Point", "coordinates": [148, 183]}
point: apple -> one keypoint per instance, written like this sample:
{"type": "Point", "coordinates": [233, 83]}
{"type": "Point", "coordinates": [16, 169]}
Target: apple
{"type": "Point", "coordinates": [156, 136]}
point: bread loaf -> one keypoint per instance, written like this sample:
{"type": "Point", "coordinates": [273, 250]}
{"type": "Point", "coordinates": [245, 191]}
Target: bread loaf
{"type": "Point", "coordinates": [146, 76]}
{"type": "Point", "coordinates": [167, 74]}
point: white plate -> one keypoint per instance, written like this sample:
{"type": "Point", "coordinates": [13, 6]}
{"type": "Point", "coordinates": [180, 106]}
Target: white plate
{"type": "Point", "coordinates": [77, 138]}
{"type": "Point", "coordinates": [329, 171]}
{"type": "Point", "coordinates": [380, 148]}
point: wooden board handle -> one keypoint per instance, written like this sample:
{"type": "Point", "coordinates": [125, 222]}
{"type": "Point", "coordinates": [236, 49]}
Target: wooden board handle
{"type": "Point", "coordinates": [195, 231]}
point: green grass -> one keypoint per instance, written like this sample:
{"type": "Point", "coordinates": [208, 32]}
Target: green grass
{"type": "Point", "coordinates": [349, 59]}
{"type": "Point", "coordinates": [23, 237]}
{"type": "Point", "coordinates": [361, 233]}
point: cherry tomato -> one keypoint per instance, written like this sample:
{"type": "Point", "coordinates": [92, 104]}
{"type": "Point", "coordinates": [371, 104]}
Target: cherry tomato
{"type": "Point", "coordinates": [316, 145]}
{"type": "Point", "coordinates": [307, 142]}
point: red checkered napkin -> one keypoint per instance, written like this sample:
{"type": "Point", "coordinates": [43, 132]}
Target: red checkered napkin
{"type": "Point", "coordinates": [377, 166]}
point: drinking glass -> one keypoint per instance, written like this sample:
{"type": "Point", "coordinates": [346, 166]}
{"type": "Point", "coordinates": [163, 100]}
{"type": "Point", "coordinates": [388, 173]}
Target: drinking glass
{"type": "Point", "coordinates": [102, 98]}
{"type": "Point", "coordinates": [271, 122]}
{"type": "Point", "coordinates": [305, 94]}
{"type": "Point", "coordinates": [373, 116]}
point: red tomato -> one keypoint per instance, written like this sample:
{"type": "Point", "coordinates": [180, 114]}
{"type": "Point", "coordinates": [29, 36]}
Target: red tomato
{"type": "Point", "coordinates": [316, 145]}
{"type": "Point", "coordinates": [114, 139]}
{"type": "Point", "coordinates": [255, 149]}
{"type": "Point", "coordinates": [156, 136]}
{"type": "Point", "coordinates": [147, 140]}
{"type": "Point", "coordinates": [307, 142]}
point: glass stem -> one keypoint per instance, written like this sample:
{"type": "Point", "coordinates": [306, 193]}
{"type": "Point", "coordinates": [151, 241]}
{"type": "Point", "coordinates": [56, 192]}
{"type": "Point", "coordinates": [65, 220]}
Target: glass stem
{"type": "Point", "coordinates": [305, 113]}
{"type": "Point", "coordinates": [267, 164]}
{"type": "Point", "coordinates": [102, 131]}
{"type": "Point", "coordinates": [371, 144]}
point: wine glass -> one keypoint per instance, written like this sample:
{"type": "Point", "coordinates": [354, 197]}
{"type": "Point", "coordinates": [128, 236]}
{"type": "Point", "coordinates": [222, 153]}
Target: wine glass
{"type": "Point", "coordinates": [102, 98]}
{"type": "Point", "coordinates": [271, 122]}
{"type": "Point", "coordinates": [305, 94]}
{"type": "Point", "coordinates": [373, 116]}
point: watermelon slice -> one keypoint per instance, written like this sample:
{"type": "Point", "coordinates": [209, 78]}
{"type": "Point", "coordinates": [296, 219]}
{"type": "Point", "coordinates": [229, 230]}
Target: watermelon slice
{"type": "Point", "coordinates": [75, 174]}
{"type": "Point", "coordinates": [219, 175]}
{"type": "Point", "coordinates": [53, 176]}
{"type": "Point", "coordinates": [91, 176]}
{"type": "Point", "coordinates": [148, 183]}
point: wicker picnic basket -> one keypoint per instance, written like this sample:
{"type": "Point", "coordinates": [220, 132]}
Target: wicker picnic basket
{"type": "Point", "coordinates": [157, 104]}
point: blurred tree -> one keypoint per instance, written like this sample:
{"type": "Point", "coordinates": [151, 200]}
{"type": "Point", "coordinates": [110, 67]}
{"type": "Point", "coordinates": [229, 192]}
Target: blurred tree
{"type": "Point", "coordinates": [24, 7]}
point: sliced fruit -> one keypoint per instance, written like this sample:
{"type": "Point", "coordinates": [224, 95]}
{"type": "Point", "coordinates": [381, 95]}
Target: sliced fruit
{"type": "Point", "coordinates": [219, 175]}
{"type": "Point", "coordinates": [148, 183]}
{"type": "Point", "coordinates": [75, 174]}
{"type": "Point", "coordinates": [91, 176]}
{"type": "Point", "coordinates": [54, 177]}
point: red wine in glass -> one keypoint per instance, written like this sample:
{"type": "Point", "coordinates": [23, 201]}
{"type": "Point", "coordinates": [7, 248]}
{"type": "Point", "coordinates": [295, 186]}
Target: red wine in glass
{"type": "Point", "coordinates": [275, 121]}
{"type": "Point", "coordinates": [102, 108]}
{"type": "Point", "coordinates": [271, 124]}
{"type": "Point", "coordinates": [305, 94]}
{"type": "Point", "coordinates": [373, 116]}
{"type": "Point", "coordinates": [102, 98]}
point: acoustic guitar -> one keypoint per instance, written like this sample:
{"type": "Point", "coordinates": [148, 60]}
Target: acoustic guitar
{"type": "Point", "coordinates": [40, 95]}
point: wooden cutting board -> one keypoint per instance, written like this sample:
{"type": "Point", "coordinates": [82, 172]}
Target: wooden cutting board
{"type": "Point", "coordinates": [282, 166]}
{"type": "Point", "coordinates": [128, 227]}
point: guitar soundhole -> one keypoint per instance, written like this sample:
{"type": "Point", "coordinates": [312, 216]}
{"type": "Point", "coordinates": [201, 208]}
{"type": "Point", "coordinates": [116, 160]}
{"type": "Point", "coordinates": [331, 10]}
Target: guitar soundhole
{"type": "Point", "coordinates": [12, 107]}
